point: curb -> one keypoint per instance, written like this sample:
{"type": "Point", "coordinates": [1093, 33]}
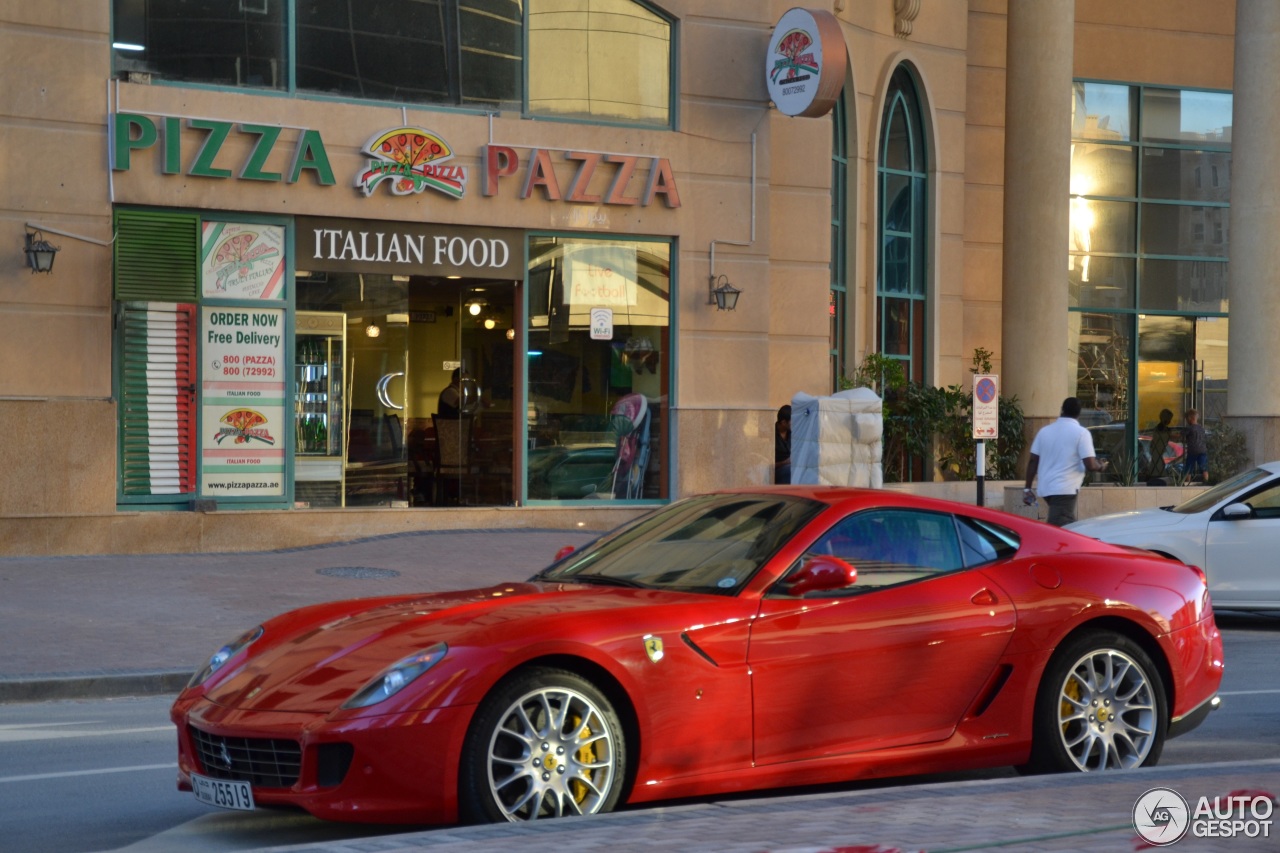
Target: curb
{"type": "Point", "coordinates": [93, 686]}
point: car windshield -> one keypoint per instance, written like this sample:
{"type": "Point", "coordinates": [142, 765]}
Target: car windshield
{"type": "Point", "coordinates": [1222, 491]}
{"type": "Point", "coordinates": [711, 543]}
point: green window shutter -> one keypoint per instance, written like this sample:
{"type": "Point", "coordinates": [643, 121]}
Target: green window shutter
{"type": "Point", "coordinates": [157, 398]}
{"type": "Point", "coordinates": [157, 256]}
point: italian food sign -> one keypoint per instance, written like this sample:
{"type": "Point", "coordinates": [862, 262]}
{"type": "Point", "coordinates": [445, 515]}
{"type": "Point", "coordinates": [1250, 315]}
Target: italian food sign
{"type": "Point", "coordinates": [805, 63]}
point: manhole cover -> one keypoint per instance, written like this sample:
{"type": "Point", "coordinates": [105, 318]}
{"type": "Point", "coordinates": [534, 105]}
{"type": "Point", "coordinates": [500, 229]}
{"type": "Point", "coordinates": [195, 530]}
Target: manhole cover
{"type": "Point", "coordinates": [360, 572]}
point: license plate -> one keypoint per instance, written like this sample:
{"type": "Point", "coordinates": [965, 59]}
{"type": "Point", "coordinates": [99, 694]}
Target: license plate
{"type": "Point", "coordinates": [222, 793]}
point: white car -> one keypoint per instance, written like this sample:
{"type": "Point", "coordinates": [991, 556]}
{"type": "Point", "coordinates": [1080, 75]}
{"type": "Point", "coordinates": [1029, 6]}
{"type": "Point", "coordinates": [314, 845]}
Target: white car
{"type": "Point", "coordinates": [1232, 531]}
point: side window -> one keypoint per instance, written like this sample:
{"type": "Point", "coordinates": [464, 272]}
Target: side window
{"type": "Point", "coordinates": [1266, 503]}
{"type": "Point", "coordinates": [983, 543]}
{"type": "Point", "coordinates": [894, 546]}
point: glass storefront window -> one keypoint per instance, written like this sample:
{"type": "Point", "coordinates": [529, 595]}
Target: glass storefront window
{"type": "Point", "coordinates": [1101, 226]}
{"type": "Point", "coordinates": [1102, 111]}
{"type": "Point", "coordinates": [604, 59]}
{"type": "Point", "coordinates": [425, 379]}
{"type": "Point", "coordinates": [598, 368]}
{"type": "Point", "coordinates": [1184, 286]}
{"type": "Point", "coordinates": [1182, 174]}
{"type": "Point", "coordinates": [1186, 116]}
{"type": "Point", "coordinates": [1184, 230]}
{"type": "Point", "coordinates": [1109, 170]}
{"type": "Point", "coordinates": [1101, 281]}
{"type": "Point", "coordinates": [1100, 346]}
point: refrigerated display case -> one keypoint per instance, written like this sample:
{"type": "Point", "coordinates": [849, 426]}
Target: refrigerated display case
{"type": "Point", "coordinates": [319, 409]}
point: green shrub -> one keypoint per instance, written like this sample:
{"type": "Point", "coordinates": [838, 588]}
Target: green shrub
{"type": "Point", "coordinates": [1228, 452]}
{"type": "Point", "coordinates": [929, 425]}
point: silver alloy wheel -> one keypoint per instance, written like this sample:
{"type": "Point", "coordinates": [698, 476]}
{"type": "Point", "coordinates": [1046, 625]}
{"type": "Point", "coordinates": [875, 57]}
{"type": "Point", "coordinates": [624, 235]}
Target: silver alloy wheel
{"type": "Point", "coordinates": [553, 754]}
{"type": "Point", "coordinates": [1107, 712]}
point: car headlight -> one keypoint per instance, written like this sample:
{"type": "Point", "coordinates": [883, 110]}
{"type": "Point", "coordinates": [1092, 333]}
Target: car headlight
{"type": "Point", "coordinates": [396, 677]}
{"type": "Point", "coordinates": [224, 654]}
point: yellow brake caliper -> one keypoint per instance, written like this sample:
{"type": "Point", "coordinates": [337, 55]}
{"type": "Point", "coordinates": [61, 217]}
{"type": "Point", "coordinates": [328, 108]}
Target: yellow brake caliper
{"type": "Point", "coordinates": [586, 755]}
{"type": "Point", "coordinates": [1064, 707]}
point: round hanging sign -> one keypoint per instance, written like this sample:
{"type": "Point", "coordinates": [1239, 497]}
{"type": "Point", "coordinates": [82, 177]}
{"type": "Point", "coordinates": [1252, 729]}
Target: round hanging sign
{"type": "Point", "coordinates": [805, 64]}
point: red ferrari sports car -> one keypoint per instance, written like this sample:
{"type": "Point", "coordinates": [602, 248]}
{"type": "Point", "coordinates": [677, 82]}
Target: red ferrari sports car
{"type": "Point", "coordinates": [731, 641]}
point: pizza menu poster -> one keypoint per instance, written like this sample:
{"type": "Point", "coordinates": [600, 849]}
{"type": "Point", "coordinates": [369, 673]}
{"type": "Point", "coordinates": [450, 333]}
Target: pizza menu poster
{"type": "Point", "coordinates": [242, 391]}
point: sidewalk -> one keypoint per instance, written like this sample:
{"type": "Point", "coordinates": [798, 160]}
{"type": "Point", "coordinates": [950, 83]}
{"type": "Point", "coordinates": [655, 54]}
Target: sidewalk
{"type": "Point", "coordinates": [93, 627]}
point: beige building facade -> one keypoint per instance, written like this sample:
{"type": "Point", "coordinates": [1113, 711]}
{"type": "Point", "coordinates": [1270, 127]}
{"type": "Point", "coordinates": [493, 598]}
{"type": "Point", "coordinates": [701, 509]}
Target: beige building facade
{"type": "Point", "coordinates": [280, 380]}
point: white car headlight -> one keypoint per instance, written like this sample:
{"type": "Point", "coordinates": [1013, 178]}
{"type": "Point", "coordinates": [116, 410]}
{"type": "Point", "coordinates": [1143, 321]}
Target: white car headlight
{"type": "Point", "coordinates": [224, 654]}
{"type": "Point", "coordinates": [396, 677]}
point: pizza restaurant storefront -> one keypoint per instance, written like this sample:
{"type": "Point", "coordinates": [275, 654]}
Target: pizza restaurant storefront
{"type": "Point", "coordinates": [339, 362]}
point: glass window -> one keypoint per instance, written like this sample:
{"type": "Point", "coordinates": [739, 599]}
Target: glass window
{"type": "Point", "coordinates": [607, 59]}
{"type": "Point", "coordinates": [221, 42]}
{"type": "Point", "coordinates": [1181, 115]}
{"type": "Point", "coordinates": [1102, 111]}
{"type": "Point", "coordinates": [1100, 344]}
{"type": "Point", "coordinates": [596, 59]}
{"type": "Point", "coordinates": [1178, 174]}
{"type": "Point", "coordinates": [1184, 285]}
{"type": "Point", "coordinates": [893, 546]}
{"type": "Point", "coordinates": [707, 544]}
{"type": "Point", "coordinates": [597, 405]}
{"type": "Point", "coordinates": [1109, 170]}
{"type": "Point", "coordinates": [420, 51]}
{"type": "Point", "coordinates": [901, 275]}
{"type": "Point", "coordinates": [982, 542]}
{"type": "Point", "coordinates": [838, 307]}
{"type": "Point", "coordinates": [1167, 229]}
{"type": "Point", "coordinates": [1101, 226]}
{"type": "Point", "coordinates": [1101, 281]}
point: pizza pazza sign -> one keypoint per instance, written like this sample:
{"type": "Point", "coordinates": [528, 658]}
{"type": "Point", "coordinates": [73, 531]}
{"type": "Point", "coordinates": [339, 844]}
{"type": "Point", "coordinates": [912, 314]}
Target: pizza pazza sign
{"type": "Point", "coordinates": [409, 160]}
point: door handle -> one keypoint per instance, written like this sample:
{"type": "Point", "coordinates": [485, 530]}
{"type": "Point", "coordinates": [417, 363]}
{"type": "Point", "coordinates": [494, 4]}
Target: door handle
{"type": "Point", "coordinates": [984, 597]}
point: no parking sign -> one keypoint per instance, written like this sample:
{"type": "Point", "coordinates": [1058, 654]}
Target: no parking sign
{"type": "Point", "coordinates": [986, 406]}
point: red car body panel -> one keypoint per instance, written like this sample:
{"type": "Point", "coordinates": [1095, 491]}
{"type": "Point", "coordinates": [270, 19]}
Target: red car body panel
{"type": "Point", "coordinates": [750, 691]}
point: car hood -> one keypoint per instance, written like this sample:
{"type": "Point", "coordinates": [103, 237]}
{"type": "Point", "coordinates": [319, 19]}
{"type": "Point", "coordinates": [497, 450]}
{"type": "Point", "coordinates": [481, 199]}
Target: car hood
{"type": "Point", "coordinates": [1102, 526]}
{"type": "Point", "coordinates": [313, 665]}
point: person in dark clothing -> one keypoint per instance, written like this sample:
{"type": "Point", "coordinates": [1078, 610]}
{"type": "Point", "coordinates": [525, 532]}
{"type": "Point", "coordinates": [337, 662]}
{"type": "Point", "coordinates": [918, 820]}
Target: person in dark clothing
{"type": "Point", "coordinates": [1160, 436]}
{"type": "Point", "coordinates": [1195, 447]}
{"type": "Point", "coordinates": [782, 446]}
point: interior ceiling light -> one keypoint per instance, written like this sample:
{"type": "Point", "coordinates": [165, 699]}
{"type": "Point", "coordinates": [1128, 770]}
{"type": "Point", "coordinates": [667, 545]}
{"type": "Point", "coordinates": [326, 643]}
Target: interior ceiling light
{"type": "Point", "coordinates": [474, 308]}
{"type": "Point", "coordinates": [489, 322]}
{"type": "Point", "coordinates": [372, 330]}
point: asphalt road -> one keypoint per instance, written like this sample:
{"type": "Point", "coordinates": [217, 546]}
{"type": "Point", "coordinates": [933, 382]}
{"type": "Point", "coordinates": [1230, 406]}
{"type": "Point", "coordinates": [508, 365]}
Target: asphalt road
{"type": "Point", "coordinates": [99, 775]}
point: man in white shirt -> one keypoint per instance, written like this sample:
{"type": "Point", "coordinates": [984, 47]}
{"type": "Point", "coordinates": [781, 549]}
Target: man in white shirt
{"type": "Point", "coordinates": [1060, 454]}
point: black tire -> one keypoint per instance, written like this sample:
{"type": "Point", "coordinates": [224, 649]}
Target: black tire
{"type": "Point", "coordinates": [544, 743]}
{"type": "Point", "coordinates": [1101, 706]}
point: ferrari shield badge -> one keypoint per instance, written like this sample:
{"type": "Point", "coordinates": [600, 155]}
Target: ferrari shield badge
{"type": "Point", "coordinates": [653, 647]}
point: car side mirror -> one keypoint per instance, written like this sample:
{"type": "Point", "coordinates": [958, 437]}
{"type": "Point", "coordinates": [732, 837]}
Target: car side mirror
{"type": "Point", "coordinates": [1240, 510]}
{"type": "Point", "coordinates": [564, 552]}
{"type": "Point", "coordinates": [820, 573]}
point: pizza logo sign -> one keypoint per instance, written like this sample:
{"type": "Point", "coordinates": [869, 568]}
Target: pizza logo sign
{"type": "Point", "coordinates": [237, 254]}
{"type": "Point", "coordinates": [243, 425]}
{"type": "Point", "coordinates": [797, 62]}
{"type": "Point", "coordinates": [413, 159]}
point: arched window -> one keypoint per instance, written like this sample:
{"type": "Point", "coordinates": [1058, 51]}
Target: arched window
{"type": "Point", "coordinates": [839, 305]}
{"type": "Point", "coordinates": [901, 291]}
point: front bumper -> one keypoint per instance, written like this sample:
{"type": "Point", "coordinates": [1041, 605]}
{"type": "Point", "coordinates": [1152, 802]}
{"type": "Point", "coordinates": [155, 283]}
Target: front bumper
{"type": "Point", "coordinates": [403, 767]}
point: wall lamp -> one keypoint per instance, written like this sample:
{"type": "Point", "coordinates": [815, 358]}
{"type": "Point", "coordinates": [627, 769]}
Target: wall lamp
{"type": "Point", "coordinates": [723, 294]}
{"type": "Point", "coordinates": [40, 252]}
